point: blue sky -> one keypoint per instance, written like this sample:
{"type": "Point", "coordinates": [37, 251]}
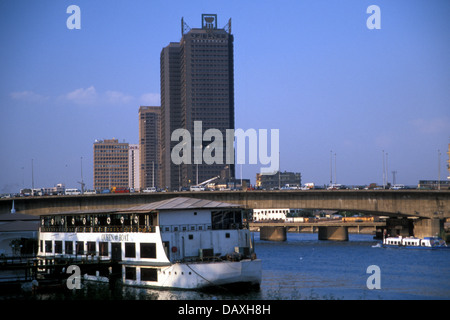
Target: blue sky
{"type": "Point", "coordinates": [309, 68]}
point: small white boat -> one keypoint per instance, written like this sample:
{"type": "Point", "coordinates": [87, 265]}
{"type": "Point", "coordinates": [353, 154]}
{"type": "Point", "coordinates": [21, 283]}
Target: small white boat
{"type": "Point", "coordinates": [412, 242]}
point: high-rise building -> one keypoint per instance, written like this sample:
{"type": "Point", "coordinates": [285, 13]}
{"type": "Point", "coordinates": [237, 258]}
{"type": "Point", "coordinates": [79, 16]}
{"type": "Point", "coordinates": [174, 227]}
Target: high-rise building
{"type": "Point", "coordinates": [197, 84]}
{"type": "Point", "coordinates": [134, 167]}
{"type": "Point", "coordinates": [278, 180]}
{"type": "Point", "coordinates": [149, 142]}
{"type": "Point", "coordinates": [110, 164]}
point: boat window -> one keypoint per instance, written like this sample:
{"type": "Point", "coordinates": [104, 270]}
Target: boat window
{"type": "Point", "coordinates": [118, 220]}
{"type": "Point", "coordinates": [142, 219]}
{"type": "Point", "coordinates": [148, 250]}
{"type": "Point", "coordinates": [79, 220]}
{"type": "Point", "coordinates": [46, 221]}
{"type": "Point", "coordinates": [191, 237]}
{"type": "Point", "coordinates": [102, 220]}
{"type": "Point", "coordinates": [149, 274]}
{"type": "Point", "coordinates": [103, 249]}
{"type": "Point", "coordinates": [91, 247]}
{"type": "Point", "coordinates": [79, 247]}
{"type": "Point", "coordinates": [70, 221]}
{"type": "Point", "coordinates": [226, 219]}
{"type": "Point", "coordinates": [58, 246]}
{"type": "Point", "coordinates": [68, 247]}
{"type": "Point", "coordinates": [130, 273]}
{"type": "Point", "coordinates": [59, 221]}
{"type": "Point", "coordinates": [48, 246]}
{"type": "Point", "coordinates": [130, 250]}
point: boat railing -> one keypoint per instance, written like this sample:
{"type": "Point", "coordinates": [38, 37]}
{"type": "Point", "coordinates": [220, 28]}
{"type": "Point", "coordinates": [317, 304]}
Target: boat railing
{"type": "Point", "coordinates": [84, 229]}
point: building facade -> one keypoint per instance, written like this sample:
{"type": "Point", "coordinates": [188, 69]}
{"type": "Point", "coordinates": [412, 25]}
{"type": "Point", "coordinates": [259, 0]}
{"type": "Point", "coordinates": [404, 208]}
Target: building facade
{"type": "Point", "coordinates": [270, 214]}
{"type": "Point", "coordinates": [278, 180]}
{"type": "Point", "coordinates": [197, 84]}
{"type": "Point", "coordinates": [149, 146]}
{"type": "Point", "coordinates": [134, 167]}
{"type": "Point", "coordinates": [110, 164]}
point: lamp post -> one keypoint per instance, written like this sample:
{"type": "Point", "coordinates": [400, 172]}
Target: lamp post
{"type": "Point", "coordinates": [331, 167]}
{"type": "Point", "coordinates": [439, 169]}
{"type": "Point", "coordinates": [335, 169]}
{"type": "Point", "coordinates": [384, 172]}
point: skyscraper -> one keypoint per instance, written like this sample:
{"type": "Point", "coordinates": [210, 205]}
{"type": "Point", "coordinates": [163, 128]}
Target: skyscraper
{"type": "Point", "coordinates": [149, 146]}
{"type": "Point", "coordinates": [197, 84]}
{"type": "Point", "coordinates": [110, 164]}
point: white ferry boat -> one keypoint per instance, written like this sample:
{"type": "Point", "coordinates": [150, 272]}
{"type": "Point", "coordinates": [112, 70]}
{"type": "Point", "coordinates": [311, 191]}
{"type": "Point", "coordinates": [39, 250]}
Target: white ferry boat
{"type": "Point", "coordinates": [412, 242]}
{"type": "Point", "coordinates": [177, 243]}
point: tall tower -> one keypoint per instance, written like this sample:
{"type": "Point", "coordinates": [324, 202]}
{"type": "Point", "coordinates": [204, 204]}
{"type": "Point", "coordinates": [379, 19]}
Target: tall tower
{"type": "Point", "coordinates": [149, 147]}
{"type": "Point", "coordinates": [197, 84]}
{"type": "Point", "coordinates": [170, 113]}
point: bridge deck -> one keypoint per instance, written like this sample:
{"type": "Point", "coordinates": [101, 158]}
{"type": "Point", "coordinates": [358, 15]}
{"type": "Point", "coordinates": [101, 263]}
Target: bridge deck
{"type": "Point", "coordinates": [317, 224]}
{"type": "Point", "coordinates": [415, 203]}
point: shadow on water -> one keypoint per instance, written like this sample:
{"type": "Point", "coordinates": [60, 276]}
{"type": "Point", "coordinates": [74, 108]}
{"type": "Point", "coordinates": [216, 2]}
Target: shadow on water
{"type": "Point", "coordinates": [302, 268]}
{"type": "Point", "coordinates": [102, 291]}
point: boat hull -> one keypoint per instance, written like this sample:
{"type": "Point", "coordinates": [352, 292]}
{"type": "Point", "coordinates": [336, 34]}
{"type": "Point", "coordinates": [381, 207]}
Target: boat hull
{"type": "Point", "coordinates": [196, 275]}
{"type": "Point", "coordinates": [414, 247]}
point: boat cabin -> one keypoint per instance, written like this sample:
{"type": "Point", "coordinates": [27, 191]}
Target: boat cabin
{"type": "Point", "coordinates": [154, 243]}
{"type": "Point", "coordinates": [155, 234]}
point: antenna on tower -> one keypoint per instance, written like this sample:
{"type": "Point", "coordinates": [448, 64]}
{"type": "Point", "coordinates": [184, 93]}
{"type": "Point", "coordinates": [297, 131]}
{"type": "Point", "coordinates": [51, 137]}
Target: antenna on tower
{"type": "Point", "coordinates": [227, 27]}
{"type": "Point", "coordinates": [184, 27]}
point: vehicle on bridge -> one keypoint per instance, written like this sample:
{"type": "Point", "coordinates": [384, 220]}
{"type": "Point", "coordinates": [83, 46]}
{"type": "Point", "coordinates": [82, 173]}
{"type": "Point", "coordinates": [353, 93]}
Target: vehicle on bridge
{"type": "Point", "coordinates": [72, 192]}
{"type": "Point", "coordinates": [202, 185]}
{"type": "Point", "coordinates": [196, 188]}
{"type": "Point", "coordinates": [120, 190]}
{"type": "Point", "coordinates": [336, 186]}
{"type": "Point", "coordinates": [26, 192]}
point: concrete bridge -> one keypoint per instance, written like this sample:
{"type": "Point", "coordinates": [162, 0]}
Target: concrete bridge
{"type": "Point", "coordinates": [327, 230]}
{"type": "Point", "coordinates": [428, 208]}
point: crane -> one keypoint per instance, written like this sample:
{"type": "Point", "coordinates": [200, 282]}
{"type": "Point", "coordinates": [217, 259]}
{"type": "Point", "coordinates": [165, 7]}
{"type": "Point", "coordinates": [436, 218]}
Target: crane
{"type": "Point", "coordinates": [199, 187]}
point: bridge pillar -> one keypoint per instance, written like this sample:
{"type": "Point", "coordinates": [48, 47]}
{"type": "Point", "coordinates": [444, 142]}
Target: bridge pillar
{"type": "Point", "coordinates": [428, 227]}
{"type": "Point", "coordinates": [399, 227]}
{"type": "Point", "coordinates": [333, 233]}
{"type": "Point", "coordinates": [272, 233]}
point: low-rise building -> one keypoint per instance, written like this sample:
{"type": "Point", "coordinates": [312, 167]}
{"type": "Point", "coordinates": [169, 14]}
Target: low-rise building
{"type": "Point", "coordinates": [278, 180]}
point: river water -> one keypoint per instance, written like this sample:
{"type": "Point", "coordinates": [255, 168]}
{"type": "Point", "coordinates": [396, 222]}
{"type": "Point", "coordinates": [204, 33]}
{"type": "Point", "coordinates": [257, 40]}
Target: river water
{"type": "Point", "coordinates": [304, 268]}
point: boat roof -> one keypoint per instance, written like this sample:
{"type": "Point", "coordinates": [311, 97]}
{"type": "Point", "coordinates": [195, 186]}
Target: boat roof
{"type": "Point", "coordinates": [181, 203]}
{"type": "Point", "coordinates": [178, 203]}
